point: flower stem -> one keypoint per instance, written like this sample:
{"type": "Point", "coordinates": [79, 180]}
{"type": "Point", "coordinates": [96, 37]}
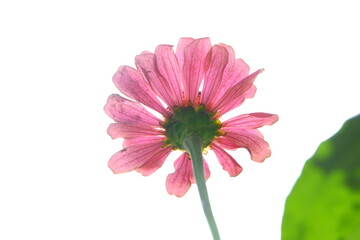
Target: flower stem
{"type": "Point", "coordinates": [193, 146]}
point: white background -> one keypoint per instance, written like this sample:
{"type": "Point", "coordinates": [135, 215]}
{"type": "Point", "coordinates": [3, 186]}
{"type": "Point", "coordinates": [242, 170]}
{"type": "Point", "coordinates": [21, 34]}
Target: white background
{"type": "Point", "coordinates": [57, 59]}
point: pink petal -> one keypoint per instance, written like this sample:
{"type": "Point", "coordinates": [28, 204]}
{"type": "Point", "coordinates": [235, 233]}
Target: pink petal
{"type": "Point", "coordinates": [147, 64]}
{"type": "Point", "coordinates": [142, 140]}
{"type": "Point", "coordinates": [238, 73]}
{"type": "Point", "coordinates": [125, 111]}
{"type": "Point", "coordinates": [178, 183]}
{"type": "Point", "coordinates": [183, 42]}
{"type": "Point", "coordinates": [131, 83]}
{"type": "Point", "coordinates": [168, 66]}
{"type": "Point", "coordinates": [234, 104]}
{"type": "Point", "coordinates": [226, 143]}
{"type": "Point", "coordinates": [193, 69]}
{"type": "Point", "coordinates": [206, 171]}
{"type": "Point", "coordinates": [228, 71]}
{"type": "Point", "coordinates": [155, 162]}
{"type": "Point", "coordinates": [119, 130]}
{"type": "Point", "coordinates": [234, 72]}
{"type": "Point", "coordinates": [218, 59]}
{"type": "Point", "coordinates": [228, 162]}
{"type": "Point", "coordinates": [134, 156]}
{"type": "Point", "coordinates": [251, 139]}
{"type": "Point", "coordinates": [235, 93]}
{"type": "Point", "coordinates": [252, 120]}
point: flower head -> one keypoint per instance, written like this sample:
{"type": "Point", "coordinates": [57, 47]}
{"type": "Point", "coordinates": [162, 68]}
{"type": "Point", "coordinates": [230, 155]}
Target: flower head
{"type": "Point", "coordinates": [175, 79]}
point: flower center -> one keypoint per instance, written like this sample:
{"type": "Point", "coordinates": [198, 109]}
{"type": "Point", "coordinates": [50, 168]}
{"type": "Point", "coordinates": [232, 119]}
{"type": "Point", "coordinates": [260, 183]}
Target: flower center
{"type": "Point", "coordinates": [188, 121]}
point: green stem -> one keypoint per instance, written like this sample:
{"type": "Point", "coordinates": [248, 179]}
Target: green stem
{"type": "Point", "coordinates": [193, 146]}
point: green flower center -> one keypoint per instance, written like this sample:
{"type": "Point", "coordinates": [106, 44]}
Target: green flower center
{"type": "Point", "coordinates": [188, 121]}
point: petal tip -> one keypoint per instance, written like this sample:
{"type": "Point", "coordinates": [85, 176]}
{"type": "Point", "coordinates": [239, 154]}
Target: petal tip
{"type": "Point", "coordinates": [276, 118]}
{"type": "Point", "coordinates": [262, 159]}
{"type": "Point", "coordinates": [235, 174]}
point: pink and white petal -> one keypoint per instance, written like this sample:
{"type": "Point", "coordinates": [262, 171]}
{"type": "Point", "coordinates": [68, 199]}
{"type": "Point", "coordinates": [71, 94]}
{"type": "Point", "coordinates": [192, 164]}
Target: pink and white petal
{"type": "Point", "coordinates": [168, 67]}
{"type": "Point", "coordinates": [133, 157]}
{"type": "Point", "coordinates": [125, 111]}
{"type": "Point", "coordinates": [178, 183]}
{"type": "Point", "coordinates": [193, 70]}
{"type": "Point", "coordinates": [252, 140]}
{"type": "Point", "coordinates": [155, 162]}
{"type": "Point", "coordinates": [119, 130]}
{"type": "Point", "coordinates": [206, 172]}
{"type": "Point", "coordinates": [131, 83]}
{"type": "Point", "coordinates": [235, 93]}
{"type": "Point", "coordinates": [128, 142]}
{"type": "Point", "coordinates": [217, 60]}
{"type": "Point", "coordinates": [226, 160]}
{"type": "Point", "coordinates": [183, 42]}
{"type": "Point", "coordinates": [251, 120]}
{"type": "Point", "coordinates": [146, 64]}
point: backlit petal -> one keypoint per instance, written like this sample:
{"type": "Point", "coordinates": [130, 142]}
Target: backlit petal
{"type": "Point", "coordinates": [235, 71]}
{"type": "Point", "coordinates": [226, 143]}
{"type": "Point", "coordinates": [236, 92]}
{"type": "Point", "coordinates": [178, 183]}
{"type": "Point", "coordinates": [251, 139]}
{"type": "Point", "coordinates": [168, 66]}
{"type": "Point", "coordinates": [239, 72]}
{"type": "Point", "coordinates": [206, 172]}
{"type": "Point", "coordinates": [251, 120]}
{"type": "Point", "coordinates": [193, 69]}
{"type": "Point", "coordinates": [218, 59]}
{"type": "Point", "coordinates": [131, 83]}
{"type": "Point", "coordinates": [146, 64]}
{"type": "Point", "coordinates": [125, 111]}
{"type": "Point", "coordinates": [228, 71]}
{"type": "Point", "coordinates": [134, 156]}
{"type": "Point", "coordinates": [226, 160]}
{"type": "Point", "coordinates": [154, 162]}
{"type": "Point", "coordinates": [183, 42]}
{"type": "Point", "coordinates": [142, 140]}
{"type": "Point", "coordinates": [119, 130]}
{"type": "Point", "coordinates": [234, 104]}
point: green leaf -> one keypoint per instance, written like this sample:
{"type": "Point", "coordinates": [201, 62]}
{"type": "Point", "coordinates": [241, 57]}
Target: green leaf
{"type": "Point", "coordinates": [325, 201]}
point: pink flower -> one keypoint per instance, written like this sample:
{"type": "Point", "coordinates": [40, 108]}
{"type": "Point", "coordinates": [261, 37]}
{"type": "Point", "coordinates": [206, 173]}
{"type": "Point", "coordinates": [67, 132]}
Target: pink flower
{"type": "Point", "coordinates": [175, 78]}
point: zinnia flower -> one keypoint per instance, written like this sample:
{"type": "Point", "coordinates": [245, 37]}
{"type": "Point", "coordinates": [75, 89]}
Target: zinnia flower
{"type": "Point", "coordinates": [175, 79]}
